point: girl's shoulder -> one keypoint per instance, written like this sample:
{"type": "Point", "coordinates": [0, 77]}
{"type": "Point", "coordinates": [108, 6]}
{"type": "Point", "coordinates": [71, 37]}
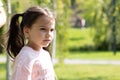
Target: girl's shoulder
{"type": "Point", "coordinates": [44, 53]}
{"type": "Point", "coordinates": [26, 55]}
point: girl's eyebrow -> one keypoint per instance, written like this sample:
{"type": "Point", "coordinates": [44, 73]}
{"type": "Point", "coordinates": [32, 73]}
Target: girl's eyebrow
{"type": "Point", "coordinates": [42, 26]}
{"type": "Point", "coordinates": [45, 27]}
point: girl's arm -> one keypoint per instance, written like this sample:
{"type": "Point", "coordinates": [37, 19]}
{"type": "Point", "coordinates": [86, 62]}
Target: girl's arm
{"type": "Point", "coordinates": [22, 72]}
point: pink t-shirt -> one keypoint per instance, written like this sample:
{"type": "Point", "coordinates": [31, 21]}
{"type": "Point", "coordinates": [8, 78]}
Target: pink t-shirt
{"type": "Point", "coordinates": [33, 65]}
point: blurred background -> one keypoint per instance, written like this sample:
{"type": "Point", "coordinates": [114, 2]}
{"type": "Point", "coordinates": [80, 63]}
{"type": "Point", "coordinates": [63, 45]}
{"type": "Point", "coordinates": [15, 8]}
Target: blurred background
{"type": "Point", "coordinates": [87, 43]}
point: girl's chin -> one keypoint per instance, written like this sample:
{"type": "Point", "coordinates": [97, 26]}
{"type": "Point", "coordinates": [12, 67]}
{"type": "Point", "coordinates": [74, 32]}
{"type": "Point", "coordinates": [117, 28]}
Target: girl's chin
{"type": "Point", "coordinates": [45, 45]}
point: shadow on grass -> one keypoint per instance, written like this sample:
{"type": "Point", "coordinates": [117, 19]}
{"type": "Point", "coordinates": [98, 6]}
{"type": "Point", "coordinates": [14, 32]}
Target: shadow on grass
{"type": "Point", "coordinates": [74, 39]}
{"type": "Point", "coordinates": [89, 51]}
{"type": "Point", "coordinates": [2, 66]}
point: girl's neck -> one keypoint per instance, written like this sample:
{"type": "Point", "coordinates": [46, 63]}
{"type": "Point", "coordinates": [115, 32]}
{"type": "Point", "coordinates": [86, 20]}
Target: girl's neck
{"type": "Point", "coordinates": [36, 48]}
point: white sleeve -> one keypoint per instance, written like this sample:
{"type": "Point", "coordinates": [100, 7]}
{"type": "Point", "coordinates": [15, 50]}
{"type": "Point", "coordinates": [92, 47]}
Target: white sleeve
{"type": "Point", "coordinates": [22, 72]}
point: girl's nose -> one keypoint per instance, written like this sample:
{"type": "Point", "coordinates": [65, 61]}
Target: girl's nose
{"type": "Point", "coordinates": [48, 34]}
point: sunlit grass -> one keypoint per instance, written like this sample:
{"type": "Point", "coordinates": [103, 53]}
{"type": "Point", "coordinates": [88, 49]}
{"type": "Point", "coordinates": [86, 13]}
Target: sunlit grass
{"type": "Point", "coordinates": [2, 71]}
{"type": "Point", "coordinates": [80, 37]}
{"type": "Point", "coordinates": [88, 72]}
{"type": "Point", "coordinates": [92, 55]}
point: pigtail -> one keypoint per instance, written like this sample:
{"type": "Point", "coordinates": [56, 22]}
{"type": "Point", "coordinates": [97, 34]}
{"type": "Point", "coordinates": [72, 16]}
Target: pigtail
{"type": "Point", "coordinates": [15, 37]}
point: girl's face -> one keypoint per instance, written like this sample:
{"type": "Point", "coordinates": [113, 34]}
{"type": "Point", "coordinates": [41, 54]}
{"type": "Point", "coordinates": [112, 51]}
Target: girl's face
{"type": "Point", "coordinates": [41, 32]}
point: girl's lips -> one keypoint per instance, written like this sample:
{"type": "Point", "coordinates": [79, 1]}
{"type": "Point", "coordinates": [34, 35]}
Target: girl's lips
{"type": "Point", "coordinates": [47, 40]}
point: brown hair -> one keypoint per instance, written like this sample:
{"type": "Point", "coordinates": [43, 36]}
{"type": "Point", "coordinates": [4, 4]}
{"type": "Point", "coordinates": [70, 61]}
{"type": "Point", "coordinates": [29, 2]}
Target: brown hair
{"type": "Point", "coordinates": [16, 39]}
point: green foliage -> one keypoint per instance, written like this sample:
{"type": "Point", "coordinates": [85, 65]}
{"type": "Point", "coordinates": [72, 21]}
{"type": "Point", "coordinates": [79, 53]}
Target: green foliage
{"type": "Point", "coordinates": [62, 26]}
{"type": "Point", "coordinates": [48, 3]}
{"type": "Point", "coordinates": [108, 20]}
{"type": "Point", "coordinates": [18, 6]}
{"type": "Point", "coordinates": [97, 13]}
{"type": "Point", "coordinates": [102, 15]}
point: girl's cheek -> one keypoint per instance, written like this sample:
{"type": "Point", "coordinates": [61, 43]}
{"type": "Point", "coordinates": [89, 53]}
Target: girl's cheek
{"type": "Point", "coordinates": [42, 32]}
{"type": "Point", "coordinates": [52, 35]}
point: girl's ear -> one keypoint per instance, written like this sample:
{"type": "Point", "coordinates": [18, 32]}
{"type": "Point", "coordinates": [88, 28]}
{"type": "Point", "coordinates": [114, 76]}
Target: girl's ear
{"type": "Point", "coordinates": [26, 31]}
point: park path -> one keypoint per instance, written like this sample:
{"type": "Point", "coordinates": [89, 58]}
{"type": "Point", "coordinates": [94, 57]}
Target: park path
{"type": "Point", "coordinates": [78, 61]}
{"type": "Point", "coordinates": [2, 59]}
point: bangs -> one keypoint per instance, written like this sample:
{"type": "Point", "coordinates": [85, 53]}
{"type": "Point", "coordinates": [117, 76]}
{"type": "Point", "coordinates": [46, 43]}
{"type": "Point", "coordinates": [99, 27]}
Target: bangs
{"type": "Point", "coordinates": [45, 20]}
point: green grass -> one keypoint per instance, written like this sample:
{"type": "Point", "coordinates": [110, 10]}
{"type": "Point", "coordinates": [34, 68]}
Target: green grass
{"type": "Point", "coordinates": [80, 37]}
{"type": "Point", "coordinates": [92, 55]}
{"type": "Point", "coordinates": [88, 72]}
{"type": "Point", "coordinates": [80, 72]}
{"type": "Point", "coordinates": [2, 71]}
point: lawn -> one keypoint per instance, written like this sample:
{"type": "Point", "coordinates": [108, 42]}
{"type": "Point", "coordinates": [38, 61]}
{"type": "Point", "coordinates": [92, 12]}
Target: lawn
{"type": "Point", "coordinates": [91, 55]}
{"type": "Point", "coordinates": [80, 72]}
{"type": "Point", "coordinates": [80, 37]}
{"type": "Point", "coordinates": [2, 71]}
{"type": "Point", "coordinates": [88, 72]}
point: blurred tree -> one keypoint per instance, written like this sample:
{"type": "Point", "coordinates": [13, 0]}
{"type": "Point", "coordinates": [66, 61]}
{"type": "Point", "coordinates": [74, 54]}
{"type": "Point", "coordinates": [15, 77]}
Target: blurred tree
{"type": "Point", "coordinates": [63, 17]}
{"type": "Point", "coordinates": [99, 15]}
{"type": "Point", "coordinates": [108, 18]}
{"type": "Point", "coordinates": [20, 5]}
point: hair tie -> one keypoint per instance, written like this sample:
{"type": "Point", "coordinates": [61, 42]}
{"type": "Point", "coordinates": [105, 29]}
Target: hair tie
{"type": "Point", "coordinates": [20, 15]}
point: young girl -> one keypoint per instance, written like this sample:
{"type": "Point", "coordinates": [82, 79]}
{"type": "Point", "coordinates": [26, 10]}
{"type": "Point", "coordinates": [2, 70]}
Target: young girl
{"type": "Point", "coordinates": [28, 43]}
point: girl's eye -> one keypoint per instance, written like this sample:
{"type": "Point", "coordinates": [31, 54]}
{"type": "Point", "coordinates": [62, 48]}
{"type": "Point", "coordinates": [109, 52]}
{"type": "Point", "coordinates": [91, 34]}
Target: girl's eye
{"type": "Point", "coordinates": [52, 30]}
{"type": "Point", "coordinates": [42, 29]}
